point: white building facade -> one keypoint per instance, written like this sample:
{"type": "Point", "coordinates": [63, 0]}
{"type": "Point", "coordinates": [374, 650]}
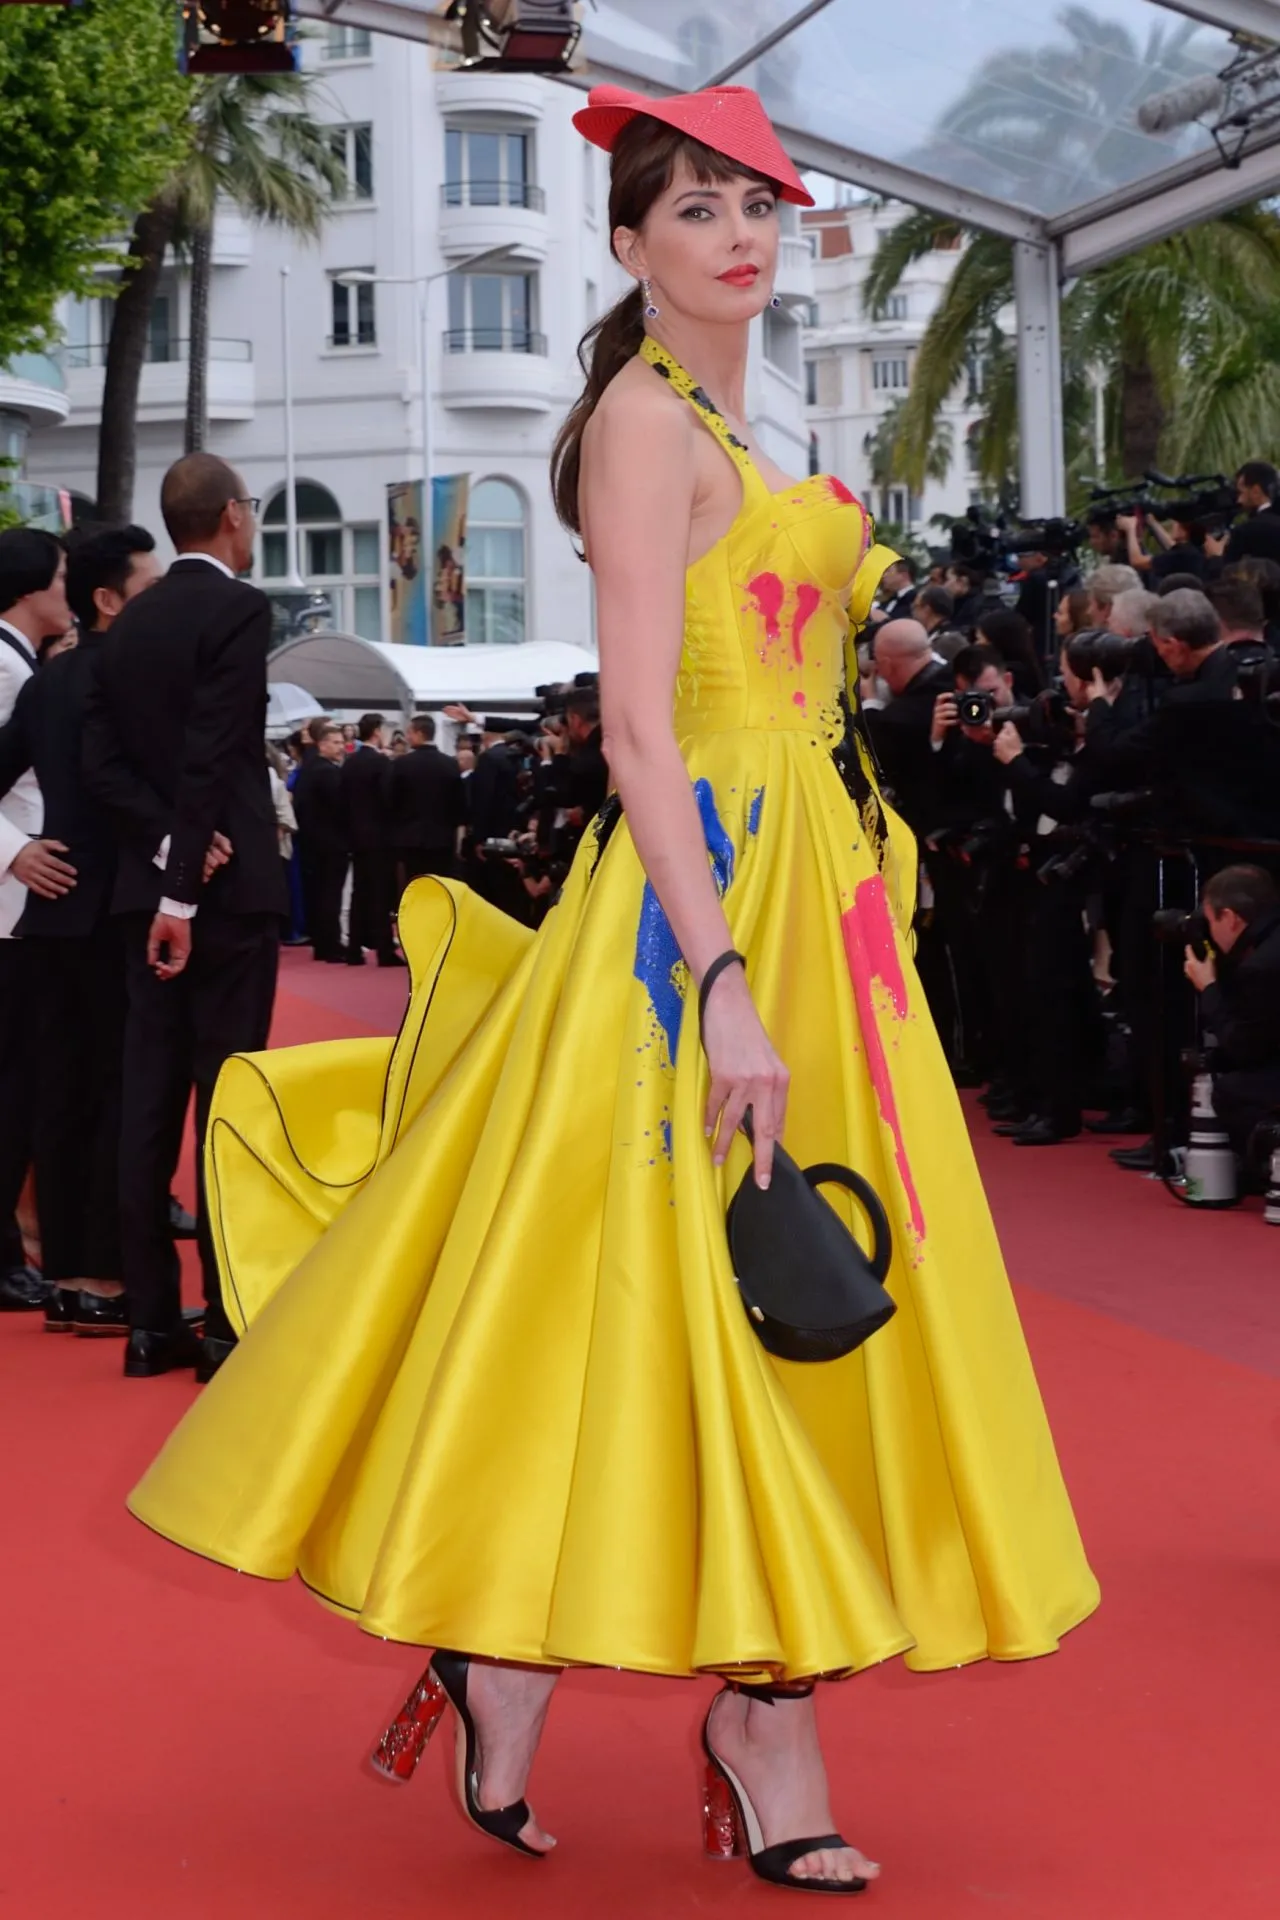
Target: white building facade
{"type": "Point", "coordinates": [856, 368]}
{"type": "Point", "coordinates": [442, 166]}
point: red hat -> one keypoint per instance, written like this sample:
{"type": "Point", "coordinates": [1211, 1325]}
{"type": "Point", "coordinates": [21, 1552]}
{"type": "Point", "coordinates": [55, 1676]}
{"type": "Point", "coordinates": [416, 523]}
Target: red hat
{"type": "Point", "coordinates": [730, 120]}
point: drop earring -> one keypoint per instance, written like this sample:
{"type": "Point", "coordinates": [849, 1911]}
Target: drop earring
{"type": "Point", "coordinates": [776, 301]}
{"type": "Point", "coordinates": [646, 294]}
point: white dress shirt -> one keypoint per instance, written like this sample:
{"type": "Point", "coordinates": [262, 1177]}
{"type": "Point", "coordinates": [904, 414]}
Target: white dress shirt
{"type": "Point", "coordinates": [22, 808]}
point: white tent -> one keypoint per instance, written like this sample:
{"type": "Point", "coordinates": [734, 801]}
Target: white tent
{"type": "Point", "coordinates": [341, 673]}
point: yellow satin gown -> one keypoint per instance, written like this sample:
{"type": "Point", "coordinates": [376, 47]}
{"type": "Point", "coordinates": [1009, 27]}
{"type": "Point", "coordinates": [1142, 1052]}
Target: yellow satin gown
{"type": "Point", "coordinates": [496, 1389]}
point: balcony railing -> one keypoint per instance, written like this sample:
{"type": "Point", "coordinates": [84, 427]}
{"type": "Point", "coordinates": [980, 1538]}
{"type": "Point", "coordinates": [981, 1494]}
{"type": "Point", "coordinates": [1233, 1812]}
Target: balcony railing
{"type": "Point", "coordinates": [493, 193]}
{"type": "Point", "coordinates": [159, 352]}
{"type": "Point", "coordinates": [41, 369]}
{"type": "Point", "coordinates": [494, 340]}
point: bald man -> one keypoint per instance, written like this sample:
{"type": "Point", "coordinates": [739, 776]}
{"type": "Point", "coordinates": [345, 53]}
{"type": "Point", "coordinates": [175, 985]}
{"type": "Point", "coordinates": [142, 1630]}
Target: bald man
{"type": "Point", "coordinates": [900, 731]}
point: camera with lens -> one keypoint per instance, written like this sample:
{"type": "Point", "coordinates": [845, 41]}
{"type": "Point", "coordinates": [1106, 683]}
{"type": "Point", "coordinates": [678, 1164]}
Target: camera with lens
{"type": "Point", "coordinates": [975, 709]}
{"type": "Point", "coordinates": [1173, 927]}
{"type": "Point", "coordinates": [998, 540]}
{"type": "Point", "coordinates": [507, 848]}
{"type": "Point", "coordinates": [553, 696]}
{"type": "Point", "coordinates": [1095, 650]}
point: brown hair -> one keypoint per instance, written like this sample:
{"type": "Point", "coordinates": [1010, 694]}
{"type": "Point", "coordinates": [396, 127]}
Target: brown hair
{"type": "Point", "coordinates": [645, 156]}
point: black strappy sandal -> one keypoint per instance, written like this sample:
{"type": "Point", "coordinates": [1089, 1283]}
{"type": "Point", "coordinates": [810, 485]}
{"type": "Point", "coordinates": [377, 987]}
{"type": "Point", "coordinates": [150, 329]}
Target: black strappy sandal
{"type": "Point", "coordinates": [731, 1827]}
{"type": "Point", "coordinates": [444, 1684]}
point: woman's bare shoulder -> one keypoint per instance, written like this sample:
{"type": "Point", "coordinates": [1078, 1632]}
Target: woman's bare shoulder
{"type": "Point", "coordinates": [636, 407]}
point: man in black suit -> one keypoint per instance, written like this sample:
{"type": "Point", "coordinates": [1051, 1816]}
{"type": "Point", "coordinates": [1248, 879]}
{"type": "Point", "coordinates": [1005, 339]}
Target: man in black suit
{"type": "Point", "coordinates": [174, 749]}
{"type": "Point", "coordinates": [1258, 534]}
{"type": "Point", "coordinates": [75, 953]}
{"type": "Point", "coordinates": [427, 804]}
{"type": "Point", "coordinates": [33, 610]}
{"type": "Point", "coordinates": [365, 795]}
{"type": "Point", "coordinates": [900, 732]}
{"type": "Point", "coordinates": [318, 803]}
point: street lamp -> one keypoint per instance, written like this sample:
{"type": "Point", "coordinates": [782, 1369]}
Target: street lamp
{"type": "Point", "coordinates": [491, 257]}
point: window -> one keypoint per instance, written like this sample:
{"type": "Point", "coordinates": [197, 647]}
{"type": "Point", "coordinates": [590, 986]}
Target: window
{"type": "Point", "coordinates": [895, 307]}
{"type": "Point", "coordinates": [495, 564]}
{"type": "Point", "coordinates": [782, 342]}
{"type": "Point", "coordinates": [889, 375]}
{"type": "Point", "coordinates": [492, 313]}
{"type": "Point", "coordinates": [811, 383]}
{"type": "Point", "coordinates": [353, 148]}
{"type": "Point", "coordinates": [815, 455]}
{"type": "Point", "coordinates": [894, 505]}
{"type": "Point", "coordinates": [87, 329]}
{"type": "Point", "coordinates": [489, 169]}
{"type": "Point", "coordinates": [343, 562]}
{"type": "Point", "coordinates": [830, 381]}
{"type": "Point", "coordinates": [349, 43]}
{"type": "Point", "coordinates": [354, 324]}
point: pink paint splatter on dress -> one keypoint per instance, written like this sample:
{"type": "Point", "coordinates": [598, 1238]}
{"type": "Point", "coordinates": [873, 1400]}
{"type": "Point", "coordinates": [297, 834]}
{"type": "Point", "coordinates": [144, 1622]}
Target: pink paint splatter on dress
{"type": "Point", "coordinates": [767, 591]}
{"type": "Point", "coordinates": [798, 700]}
{"type": "Point", "coordinates": [840, 490]}
{"type": "Point", "coordinates": [871, 952]}
{"type": "Point", "coordinates": [808, 600]}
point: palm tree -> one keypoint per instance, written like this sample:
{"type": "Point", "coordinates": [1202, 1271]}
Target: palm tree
{"type": "Point", "coordinates": [253, 142]}
{"type": "Point", "coordinates": [1184, 331]}
{"type": "Point", "coordinates": [882, 449]}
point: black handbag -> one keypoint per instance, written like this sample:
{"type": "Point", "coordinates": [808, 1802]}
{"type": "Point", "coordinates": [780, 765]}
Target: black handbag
{"type": "Point", "coordinates": [809, 1290]}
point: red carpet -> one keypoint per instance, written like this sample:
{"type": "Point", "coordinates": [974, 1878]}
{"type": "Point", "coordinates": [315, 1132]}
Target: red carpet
{"type": "Point", "coordinates": [181, 1743]}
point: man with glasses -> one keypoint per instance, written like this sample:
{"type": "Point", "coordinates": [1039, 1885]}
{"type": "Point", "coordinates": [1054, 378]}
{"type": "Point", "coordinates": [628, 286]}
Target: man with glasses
{"type": "Point", "coordinates": [174, 751]}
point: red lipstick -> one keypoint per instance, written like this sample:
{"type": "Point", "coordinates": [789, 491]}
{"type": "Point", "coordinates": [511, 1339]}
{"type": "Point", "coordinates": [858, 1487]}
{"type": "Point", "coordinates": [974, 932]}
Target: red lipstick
{"type": "Point", "coordinates": [743, 276]}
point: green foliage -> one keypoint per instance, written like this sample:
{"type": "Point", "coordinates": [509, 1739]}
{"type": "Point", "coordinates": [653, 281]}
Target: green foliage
{"type": "Point", "coordinates": [254, 141]}
{"type": "Point", "coordinates": [92, 121]}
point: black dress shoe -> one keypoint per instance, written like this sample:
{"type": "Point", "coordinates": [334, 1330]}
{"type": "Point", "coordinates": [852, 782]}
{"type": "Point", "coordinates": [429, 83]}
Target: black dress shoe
{"type": "Point", "coordinates": [1120, 1120]}
{"type": "Point", "coordinates": [22, 1290]}
{"type": "Point", "coordinates": [213, 1352]}
{"type": "Point", "coordinates": [1137, 1159]}
{"type": "Point", "coordinates": [60, 1310]}
{"type": "Point", "coordinates": [182, 1225]}
{"type": "Point", "coordinates": [148, 1354]}
{"type": "Point", "coordinates": [1044, 1132]}
{"type": "Point", "coordinates": [96, 1313]}
{"type": "Point", "coordinates": [354, 956]}
{"type": "Point", "coordinates": [392, 960]}
{"type": "Point", "coordinates": [1014, 1124]}
{"type": "Point", "coordinates": [1007, 1108]}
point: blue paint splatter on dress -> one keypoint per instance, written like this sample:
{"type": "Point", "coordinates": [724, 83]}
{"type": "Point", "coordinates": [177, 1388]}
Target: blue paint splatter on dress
{"type": "Point", "coordinates": [659, 962]}
{"type": "Point", "coordinates": [666, 1138]}
{"type": "Point", "coordinates": [754, 811]}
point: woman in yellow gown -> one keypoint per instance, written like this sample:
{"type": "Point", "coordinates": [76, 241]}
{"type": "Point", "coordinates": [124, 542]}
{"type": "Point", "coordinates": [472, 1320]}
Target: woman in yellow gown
{"type": "Point", "coordinates": [496, 1390]}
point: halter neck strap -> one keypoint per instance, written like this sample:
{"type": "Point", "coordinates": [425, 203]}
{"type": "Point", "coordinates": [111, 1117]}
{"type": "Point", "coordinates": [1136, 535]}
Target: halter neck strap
{"type": "Point", "coordinates": [684, 384]}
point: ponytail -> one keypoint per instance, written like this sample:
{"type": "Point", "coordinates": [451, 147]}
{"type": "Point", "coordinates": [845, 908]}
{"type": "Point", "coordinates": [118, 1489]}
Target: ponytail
{"type": "Point", "coordinates": [603, 351]}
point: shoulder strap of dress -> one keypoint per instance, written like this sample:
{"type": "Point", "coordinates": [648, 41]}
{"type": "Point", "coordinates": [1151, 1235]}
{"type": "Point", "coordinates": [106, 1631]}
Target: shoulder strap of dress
{"type": "Point", "coordinates": [684, 384]}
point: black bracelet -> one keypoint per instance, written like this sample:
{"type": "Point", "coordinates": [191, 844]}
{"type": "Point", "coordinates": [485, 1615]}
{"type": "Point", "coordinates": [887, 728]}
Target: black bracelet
{"type": "Point", "coordinates": [709, 978]}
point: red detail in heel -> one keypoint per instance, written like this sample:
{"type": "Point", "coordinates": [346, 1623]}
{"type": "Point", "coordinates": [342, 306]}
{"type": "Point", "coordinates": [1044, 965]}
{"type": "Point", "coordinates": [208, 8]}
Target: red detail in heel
{"type": "Point", "coordinates": [405, 1741]}
{"type": "Point", "coordinates": [722, 1835]}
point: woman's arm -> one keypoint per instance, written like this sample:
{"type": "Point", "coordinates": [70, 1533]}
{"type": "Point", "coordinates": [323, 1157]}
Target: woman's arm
{"type": "Point", "coordinates": [638, 490]}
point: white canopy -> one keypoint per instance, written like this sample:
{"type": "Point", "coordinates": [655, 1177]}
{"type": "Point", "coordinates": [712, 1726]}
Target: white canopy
{"type": "Point", "coordinates": [343, 673]}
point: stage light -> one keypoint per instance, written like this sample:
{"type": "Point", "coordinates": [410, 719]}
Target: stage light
{"type": "Point", "coordinates": [520, 36]}
{"type": "Point", "coordinates": [238, 36]}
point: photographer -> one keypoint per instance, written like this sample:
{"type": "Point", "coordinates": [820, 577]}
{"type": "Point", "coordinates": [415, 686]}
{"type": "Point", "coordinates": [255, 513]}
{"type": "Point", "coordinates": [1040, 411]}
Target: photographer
{"type": "Point", "coordinates": [932, 607]}
{"type": "Point", "coordinates": [897, 591]}
{"type": "Point", "coordinates": [1181, 543]}
{"type": "Point", "coordinates": [1240, 997]}
{"type": "Point", "coordinates": [1259, 533]}
{"type": "Point", "coordinates": [576, 774]}
{"type": "Point", "coordinates": [1106, 536]}
{"type": "Point", "coordinates": [1052, 776]}
{"type": "Point", "coordinates": [1238, 606]}
{"type": "Point", "coordinates": [980, 889]}
{"type": "Point", "coordinates": [1103, 586]}
{"type": "Point", "coordinates": [899, 732]}
{"type": "Point", "coordinates": [1211, 759]}
{"type": "Point", "coordinates": [966, 582]}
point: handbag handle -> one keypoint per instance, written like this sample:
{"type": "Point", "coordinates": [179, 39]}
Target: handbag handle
{"type": "Point", "coordinates": [831, 1173]}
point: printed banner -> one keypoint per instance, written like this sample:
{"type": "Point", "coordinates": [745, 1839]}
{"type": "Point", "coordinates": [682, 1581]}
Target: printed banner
{"type": "Point", "coordinates": [409, 552]}
{"type": "Point", "coordinates": [448, 547]}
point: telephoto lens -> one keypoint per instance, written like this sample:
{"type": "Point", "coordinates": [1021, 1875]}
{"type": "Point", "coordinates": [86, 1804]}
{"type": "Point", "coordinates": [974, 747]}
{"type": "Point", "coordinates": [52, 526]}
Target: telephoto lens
{"type": "Point", "coordinates": [1182, 929]}
{"type": "Point", "coordinates": [975, 709]}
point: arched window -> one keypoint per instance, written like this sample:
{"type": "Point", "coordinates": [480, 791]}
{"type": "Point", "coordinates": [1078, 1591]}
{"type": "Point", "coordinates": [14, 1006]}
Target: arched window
{"type": "Point", "coordinates": [341, 561]}
{"type": "Point", "coordinates": [495, 564]}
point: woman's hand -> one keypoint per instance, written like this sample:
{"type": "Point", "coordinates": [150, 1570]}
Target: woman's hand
{"type": "Point", "coordinates": [745, 1072]}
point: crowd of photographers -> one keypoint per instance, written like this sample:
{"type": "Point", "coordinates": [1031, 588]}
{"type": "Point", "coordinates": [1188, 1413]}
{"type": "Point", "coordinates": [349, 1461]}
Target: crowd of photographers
{"type": "Point", "coordinates": [1093, 774]}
